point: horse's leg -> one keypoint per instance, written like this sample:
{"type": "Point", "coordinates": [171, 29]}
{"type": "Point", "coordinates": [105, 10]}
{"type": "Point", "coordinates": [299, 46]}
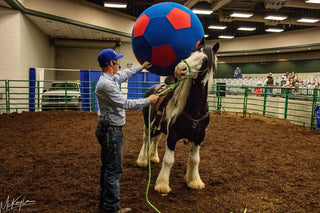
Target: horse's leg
{"type": "Point", "coordinates": [162, 183]}
{"type": "Point", "coordinates": [192, 176]}
{"type": "Point", "coordinates": [154, 149]}
{"type": "Point", "coordinates": [142, 160]}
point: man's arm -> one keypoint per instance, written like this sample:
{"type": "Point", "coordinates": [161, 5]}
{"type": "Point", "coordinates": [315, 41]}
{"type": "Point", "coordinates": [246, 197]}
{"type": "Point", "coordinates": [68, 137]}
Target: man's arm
{"type": "Point", "coordinates": [117, 99]}
{"type": "Point", "coordinates": [124, 75]}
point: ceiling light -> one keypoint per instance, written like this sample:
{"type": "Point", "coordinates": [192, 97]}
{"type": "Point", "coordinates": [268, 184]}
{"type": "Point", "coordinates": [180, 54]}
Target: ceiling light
{"type": "Point", "coordinates": [313, 1]}
{"type": "Point", "coordinates": [206, 35]}
{"type": "Point", "coordinates": [241, 15]}
{"type": "Point", "coordinates": [274, 30]}
{"type": "Point", "coordinates": [246, 28]}
{"type": "Point", "coordinates": [216, 27]}
{"type": "Point", "coordinates": [278, 18]}
{"type": "Point", "coordinates": [226, 36]}
{"type": "Point", "coordinates": [115, 5]}
{"type": "Point", "coordinates": [308, 20]}
{"type": "Point", "coordinates": [202, 12]}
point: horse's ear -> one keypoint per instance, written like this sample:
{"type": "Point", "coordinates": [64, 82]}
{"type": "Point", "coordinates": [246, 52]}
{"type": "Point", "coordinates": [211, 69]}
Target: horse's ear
{"type": "Point", "coordinates": [216, 47]}
{"type": "Point", "coordinates": [201, 42]}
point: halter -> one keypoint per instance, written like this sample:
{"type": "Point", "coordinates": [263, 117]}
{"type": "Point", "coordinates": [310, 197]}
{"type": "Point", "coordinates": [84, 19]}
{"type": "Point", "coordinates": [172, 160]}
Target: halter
{"type": "Point", "coordinates": [195, 71]}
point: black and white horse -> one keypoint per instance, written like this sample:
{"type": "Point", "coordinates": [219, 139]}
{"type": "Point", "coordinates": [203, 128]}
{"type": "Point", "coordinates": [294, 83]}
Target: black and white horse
{"type": "Point", "coordinates": [182, 114]}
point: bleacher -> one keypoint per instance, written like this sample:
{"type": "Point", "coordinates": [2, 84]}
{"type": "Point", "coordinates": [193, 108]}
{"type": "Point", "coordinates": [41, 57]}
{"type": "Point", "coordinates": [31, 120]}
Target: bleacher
{"type": "Point", "coordinates": [233, 85]}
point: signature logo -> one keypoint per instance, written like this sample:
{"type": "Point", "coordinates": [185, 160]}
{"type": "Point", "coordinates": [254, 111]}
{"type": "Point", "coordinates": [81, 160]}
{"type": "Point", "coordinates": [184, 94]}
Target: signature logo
{"type": "Point", "coordinates": [16, 203]}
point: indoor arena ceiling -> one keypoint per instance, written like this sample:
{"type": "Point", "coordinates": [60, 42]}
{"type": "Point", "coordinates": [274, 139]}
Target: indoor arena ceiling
{"type": "Point", "coordinates": [292, 10]}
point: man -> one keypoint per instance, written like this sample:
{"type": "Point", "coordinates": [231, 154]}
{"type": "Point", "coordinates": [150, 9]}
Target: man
{"type": "Point", "coordinates": [112, 105]}
{"type": "Point", "coordinates": [237, 73]}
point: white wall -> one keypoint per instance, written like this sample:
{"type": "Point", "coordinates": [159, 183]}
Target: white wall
{"type": "Point", "coordinates": [22, 45]}
{"type": "Point", "coordinates": [85, 58]}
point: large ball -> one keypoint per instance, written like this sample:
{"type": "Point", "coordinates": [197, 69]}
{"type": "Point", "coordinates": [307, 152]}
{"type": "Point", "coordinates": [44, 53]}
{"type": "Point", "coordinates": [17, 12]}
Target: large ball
{"type": "Point", "coordinates": [164, 34]}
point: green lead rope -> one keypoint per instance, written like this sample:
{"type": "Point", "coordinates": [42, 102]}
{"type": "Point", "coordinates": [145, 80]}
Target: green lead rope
{"type": "Point", "coordinates": [171, 87]}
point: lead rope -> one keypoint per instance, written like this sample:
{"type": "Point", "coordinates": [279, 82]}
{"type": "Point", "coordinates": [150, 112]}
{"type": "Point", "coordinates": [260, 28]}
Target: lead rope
{"type": "Point", "coordinates": [171, 87]}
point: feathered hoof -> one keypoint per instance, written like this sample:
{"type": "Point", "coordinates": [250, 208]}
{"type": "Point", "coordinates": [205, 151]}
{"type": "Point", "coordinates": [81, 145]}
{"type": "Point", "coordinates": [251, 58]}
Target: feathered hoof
{"type": "Point", "coordinates": [142, 163]}
{"type": "Point", "coordinates": [162, 188]}
{"type": "Point", "coordinates": [196, 184]}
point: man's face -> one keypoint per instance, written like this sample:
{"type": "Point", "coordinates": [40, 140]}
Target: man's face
{"type": "Point", "coordinates": [114, 65]}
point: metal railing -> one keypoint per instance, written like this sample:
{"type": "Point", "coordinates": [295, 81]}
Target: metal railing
{"type": "Point", "coordinates": [292, 104]}
{"type": "Point", "coordinates": [296, 105]}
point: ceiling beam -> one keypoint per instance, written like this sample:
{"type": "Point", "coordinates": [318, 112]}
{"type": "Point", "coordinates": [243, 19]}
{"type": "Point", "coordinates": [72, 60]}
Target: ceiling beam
{"type": "Point", "coordinates": [191, 3]}
{"type": "Point", "coordinates": [219, 4]}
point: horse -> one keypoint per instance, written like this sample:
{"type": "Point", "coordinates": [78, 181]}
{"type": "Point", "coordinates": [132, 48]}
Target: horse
{"type": "Point", "coordinates": [182, 113]}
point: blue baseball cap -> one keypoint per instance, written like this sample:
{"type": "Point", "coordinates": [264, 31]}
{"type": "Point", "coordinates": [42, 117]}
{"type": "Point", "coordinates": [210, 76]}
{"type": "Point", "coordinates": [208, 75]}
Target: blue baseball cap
{"type": "Point", "coordinates": [107, 55]}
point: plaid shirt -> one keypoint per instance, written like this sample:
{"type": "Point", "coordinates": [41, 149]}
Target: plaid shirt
{"type": "Point", "coordinates": [112, 103]}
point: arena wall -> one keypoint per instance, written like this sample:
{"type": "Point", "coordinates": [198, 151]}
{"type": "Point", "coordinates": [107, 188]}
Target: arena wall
{"type": "Point", "coordinates": [23, 45]}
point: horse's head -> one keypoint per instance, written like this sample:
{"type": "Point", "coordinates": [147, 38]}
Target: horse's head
{"type": "Point", "coordinates": [202, 62]}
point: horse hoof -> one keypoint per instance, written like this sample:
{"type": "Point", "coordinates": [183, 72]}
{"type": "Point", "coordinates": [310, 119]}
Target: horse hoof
{"type": "Point", "coordinates": [142, 163]}
{"type": "Point", "coordinates": [155, 159]}
{"type": "Point", "coordinates": [196, 185]}
{"type": "Point", "coordinates": [162, 189]}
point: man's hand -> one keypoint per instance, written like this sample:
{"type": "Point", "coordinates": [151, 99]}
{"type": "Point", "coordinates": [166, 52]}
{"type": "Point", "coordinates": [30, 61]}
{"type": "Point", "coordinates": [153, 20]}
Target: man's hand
{"type": "Point", "coordinates": [153, 98]}
{"type": "Point", "coordinates": [146, 65]}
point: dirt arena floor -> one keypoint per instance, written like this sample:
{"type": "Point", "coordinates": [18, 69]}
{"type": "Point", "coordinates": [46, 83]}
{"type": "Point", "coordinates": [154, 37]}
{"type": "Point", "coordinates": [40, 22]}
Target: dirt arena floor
{"type": "Point", "coordinates": [51, 160]}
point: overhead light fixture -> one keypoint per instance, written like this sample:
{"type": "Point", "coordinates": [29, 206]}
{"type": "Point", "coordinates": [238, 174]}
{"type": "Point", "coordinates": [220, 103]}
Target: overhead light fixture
{"type": "Point", "coordinates": [202, 12]}
{"type": "Point", "coordinates": [226, 36]}
{"type": "Point", "coordinates": [274, 30]}
{"type": "Point", "coordinates": [217, 27]}
{"type": "Point", "coordinates": [246, 28]}
{"type": "Point", "coordinates": [115, 5]}
{"type": "Point", "coordinates": [241, 15]}
{"type": "Point", "coordinates": [313, 1]}
{"type": "Point", "coordinates": [308, 20]}
{"type": "Point", "coordinates": [277, 18]}
{"type": "Point", "coordinates": [206, 35]}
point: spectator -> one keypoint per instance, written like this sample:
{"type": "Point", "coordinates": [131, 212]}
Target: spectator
{"type": "Point", "coordinates": [237, 73]}
{"type": "Point", "coordinates": [292, 75]}
{"type": "Point", "coordinates": [284, 78]}
{"type": "Point", "coordinates": [302, 83]}
{"type": "Point", "coordinates": [269, 83]}
{"type": "Point", "coordinates": [318, 85]}
{"type": "Point", "coordinates": [312, 85]}
{"type": "Point", "coordinates": [258, 90]}
{"type": "Point", "coordinates": [292, 82]}
{"type": "Point", "coordinates": [317, 110]}
{"type": "Point", "coordinates": [287, 84]}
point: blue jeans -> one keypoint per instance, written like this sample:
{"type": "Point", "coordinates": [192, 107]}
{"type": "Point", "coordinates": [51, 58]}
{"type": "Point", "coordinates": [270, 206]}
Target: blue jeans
{"type": "Point", "coordinates": [111, 141]}
{"type": "Point", "coordinates": [269, 91]}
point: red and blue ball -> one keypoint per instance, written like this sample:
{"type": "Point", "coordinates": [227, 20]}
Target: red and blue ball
{"type": "Point", "coordinates": [164, 34]}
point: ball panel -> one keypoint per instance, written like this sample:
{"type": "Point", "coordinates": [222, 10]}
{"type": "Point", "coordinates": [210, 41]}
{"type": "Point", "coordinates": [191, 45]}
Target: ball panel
{"type": "Point", "coordinates": [163, 56]}
{"type": "Point", "coordinates": [179, 18]}
{"type": "Point", "coordinates": [182, 48]}
{"type": "Point", "coordinates": [161, 34]}
{"type": "Point", "coordinates": [142, 54]}
{"type": "Point", "coordinates": [140, 25]}
{"type": "Point", "coordinates": [159, 10]}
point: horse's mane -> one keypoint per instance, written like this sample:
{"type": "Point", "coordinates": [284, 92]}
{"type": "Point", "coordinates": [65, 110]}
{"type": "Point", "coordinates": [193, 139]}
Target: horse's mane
{"type": "Point", "coordinates": [178, 101]}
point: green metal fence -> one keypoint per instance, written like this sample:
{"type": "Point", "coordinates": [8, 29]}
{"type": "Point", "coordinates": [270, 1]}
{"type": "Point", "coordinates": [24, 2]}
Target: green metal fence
{"type": "Point", "coordinates": [292, 104]}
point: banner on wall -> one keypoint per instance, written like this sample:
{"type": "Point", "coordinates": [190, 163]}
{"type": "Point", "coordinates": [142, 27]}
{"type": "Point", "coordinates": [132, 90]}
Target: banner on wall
{"type": "Point", "coordinates": [140, 83]}
{"type": "Point", "coordinates": [88, 80]}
